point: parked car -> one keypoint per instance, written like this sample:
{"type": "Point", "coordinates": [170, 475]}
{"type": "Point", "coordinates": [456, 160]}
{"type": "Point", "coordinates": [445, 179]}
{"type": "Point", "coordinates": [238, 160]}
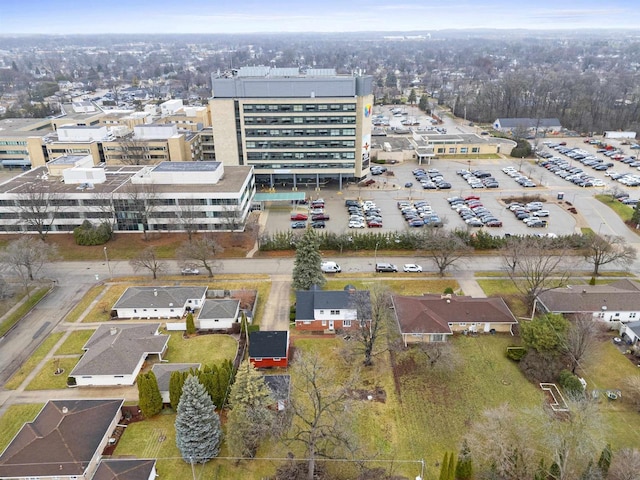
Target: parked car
{"type": "Point", "coordinates": [330, 267]}
{"type": "Point", "coordinates": [386, 267]}
{"type": "Point", "coordinates": [320, 216]}
{"type": "Point", "coordinates": [190, 271]}
{"type": "Point", "coordinates": [318, 224]}
{"type": "Point", "coordinates": [298, 216]}
{"type": "Point", "coordinates": [356, 224]}
{"type": "Point", "coordinates": [299, 224]}
{"type": "Point", "coordinates": [411, 267]}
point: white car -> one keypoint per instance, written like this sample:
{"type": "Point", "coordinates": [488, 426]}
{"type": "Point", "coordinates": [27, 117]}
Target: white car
{"type": "Point", "coordinates": [540, 213]}
{"type": "Point", "coordinates": [411, 267]}
{"type": "Point", "coordinates": [190, 271]}
{"type": "Point", "coordinates": [356, 224]}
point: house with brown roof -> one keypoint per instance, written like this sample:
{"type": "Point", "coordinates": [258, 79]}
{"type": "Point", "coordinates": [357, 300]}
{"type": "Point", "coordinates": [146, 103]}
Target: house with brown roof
{"type": "Point", "coordinates": [114, 355]}
{"type": "Point", "coordinates": [615, 302]}
{"type": "Point", "coordinates": [433, 318]}
{"type": "Point", "coordinates": [130, 469]}
{"type": "Point", "coordinates": [65, 441]}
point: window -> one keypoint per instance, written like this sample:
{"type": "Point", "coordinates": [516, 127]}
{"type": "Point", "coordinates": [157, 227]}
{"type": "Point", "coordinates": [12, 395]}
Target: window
{"type": "Point", "coordinates": [441, 150]}
{"type": "Point", "coordinates": [463, 324]}
{"type": "Point", "coordinates": [632, 315]}
{"type": "Point", "coordinates": [306, 322]}
{"type": "Point", "coordinates": [437, 337]}
{"type": "Point", "coordinates": [475, 149]}
{"type": "Point", "coordinates": [321, 312]}
{"type": "Point", "coordinates": [346, 323]}
{"type": "Point", "coordinates": [617, 314]}
{"type": "Point", "coordinates": [464, 149]}
{"type": "Point", "coordinates": [276, 359]}
{"type": "Point", "coordinates": [452, 149]}
{"type": "Point", "coordinates": [335, 312]}
{"type": "Point", "coordinates": [324, 323]}
{"type": "Point", "coordinates": [258, 359]}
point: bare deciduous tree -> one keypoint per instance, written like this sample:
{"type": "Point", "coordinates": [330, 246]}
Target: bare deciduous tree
{"type": "Point", "coordinates": [187, 217]}
{"type": "Point", "coordinates": [372, 315]}
{"type": "Point", "coordinates": [439, 355]}
{"type": "Point", "coordinates": [132, 151]}
{"type": "Point", "coordinates": [581, 338]}
{"type": "Point", "coordinates": [134, 210]}
{"type": "Point", "coordinates": [38, 206]}
{"type": "Point", "coordinates": [202, 250]}
{"type": "Point", "coordinates": [604, 249]}
{"type": "Point", "coordinates": [26, 256]}
{"type": "Point", "coordinates": [148, 259]}
{"type": "Point", "coordinates": [534, 268]}
{"type": "Point", "coordinates": [445, 248]}
{"type": "Point", "coordinates": [319, 405]}
{"type": "Point", "coordinates": [625, 465]}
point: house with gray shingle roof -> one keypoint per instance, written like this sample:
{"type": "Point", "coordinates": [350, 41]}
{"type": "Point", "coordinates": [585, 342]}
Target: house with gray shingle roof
{"type": "Point", "coordinates": [126, 469]}
{"type": "Point", "coordinates": [615, 302]}
{"type": "Point", "coordinates": [280, 387]}
{"type": "Point", "coordinates": [526, 124]}
{"type": "Point", "coordinates": [433, 318]}
{"type": "Point", "coordinates": [630, 332]}
{"type": "Point", "coordinates": [65, 441]}
{"type": "Point", "coordinates": [331, 310]}
{"type": "Point", "coordinates": [163, 372]}
{"type": "Point", "coordinates": [218, 314]}
{"type": "Point", "coordinates": [159, 302]}
{"type": "Point", "coordinates": [114, 355]}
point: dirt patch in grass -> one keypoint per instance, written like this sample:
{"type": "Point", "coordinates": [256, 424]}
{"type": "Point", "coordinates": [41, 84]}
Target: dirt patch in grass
{"type": "Point", "coordinates": [377, 394]}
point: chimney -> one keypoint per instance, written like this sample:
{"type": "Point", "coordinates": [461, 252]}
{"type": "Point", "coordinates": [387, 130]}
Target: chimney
{"type": "Point", "coordinates": [155, 292]}
{"type": "Point", "coordinates": [113, 330]}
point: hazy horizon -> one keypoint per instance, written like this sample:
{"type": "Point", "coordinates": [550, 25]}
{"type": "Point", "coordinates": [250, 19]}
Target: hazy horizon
{"type": "Point", "coordinates": [75, 17]}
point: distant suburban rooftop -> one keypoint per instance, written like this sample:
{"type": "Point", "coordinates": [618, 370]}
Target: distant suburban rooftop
{"type": "Point", "coordinates": [163, 371]}
{"type": "Point", "coordinates": [119, 469]}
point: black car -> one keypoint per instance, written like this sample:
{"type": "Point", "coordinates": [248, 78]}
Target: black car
{"type": "Point", "coordinates": [318, 224]}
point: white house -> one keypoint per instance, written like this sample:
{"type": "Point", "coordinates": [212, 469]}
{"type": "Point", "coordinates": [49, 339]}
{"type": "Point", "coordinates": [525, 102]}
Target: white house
{"type": "Point", "coordinates": [630, 332]}
{"type": "Point", "coordinates": [616, 302]}
{"type": "Point", "coordinates": [114, 355]}
{"type": "Point", "coordinates": [159, 302]}
{"type": "Point", "coordinates": [218, 314]}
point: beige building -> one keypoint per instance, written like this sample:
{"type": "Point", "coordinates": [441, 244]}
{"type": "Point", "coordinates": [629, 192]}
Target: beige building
{"type": "Point", "coordinates": [294, 127]}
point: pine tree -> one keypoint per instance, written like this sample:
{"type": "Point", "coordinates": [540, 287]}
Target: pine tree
{"type": "Point", "coordinates": [198, 430]}
{"type": "Point", "coordinates": [306, 268]}
{"type": "Point", "coordinates": [444, 467]}
{"type": "Point", "coordinates": [249, 422]}
{"type": "Point", "coordinates": [176, 381]}
{"type": "Point", "coordinates": [604, 462]}
{"type": "Point", "coordinates": [191, 326]}
{"type": "Point", "coordinates": [149, 397]}
{"type": "Point", "coordinates": [464, 466]}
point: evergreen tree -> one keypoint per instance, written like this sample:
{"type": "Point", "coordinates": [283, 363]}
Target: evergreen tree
{"type": "Point", "coordinates": [306, 268]}
{"type": "Point", "coordinates": [250, 420]}
{"type": "Point", "coordinates": [191, 326]}
{"type": "Point", "coordinates": [176, 381]}
{"type": "Point", "coordinates": [635, 218]}
{"type": "Point", "coordinates": [198, 430]}
{"type": "Point", "coordinates": [464, 467]}
{"type": "Point", "coordinates": [412, 96]}
{"type": "Point", "coordinates": [149, 397]}
{"type": "Point", "coordinates": [444, 467]}
{"type": "Point", "coordinates": [604, 462]}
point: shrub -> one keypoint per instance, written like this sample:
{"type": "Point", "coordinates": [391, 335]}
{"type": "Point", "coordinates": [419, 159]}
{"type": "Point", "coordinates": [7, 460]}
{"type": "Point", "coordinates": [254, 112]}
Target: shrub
{"type": "Point", "coordinates": [522, 149]}
{"type": "Point", "coordinates": [448, 291]}
{"type": "Point", "coordinates": [570, 383]}
{"type": "Point", "coordinates": [592, 281]}
{"type": "Point", "coordinates": [89, 234]}
{"type": "Point", "coordinates": [516, 353]}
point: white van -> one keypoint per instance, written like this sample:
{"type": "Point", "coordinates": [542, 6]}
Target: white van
{"type": "Point", "coordinates": [330, 267]}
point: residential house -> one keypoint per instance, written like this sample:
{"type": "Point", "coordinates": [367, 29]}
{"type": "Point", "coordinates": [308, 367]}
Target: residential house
{"type": "Point", "coordinates": [218, 314]}
{"type": "Point", "coordinates": [269, 348]}
{"type": "Point", "coordinates": [630, 332]}
{"type": "Point", "coordinates": [615, 302]}
{"type": "Point", "coordinates": [114, 355]}
{"type": "Point", "coordinates": [159, 302]}
{"type": "Point", "coordinates": [280, 386]}
{"type": "Point", "coordinates": [65, 441]}
{"type": "Point", "coordinates": [433, 318]}
{"type": "Point", "coordinates": [163, 372]}
{"type": "Point", "coordinates": [126, 469]}
{"type": "Point", "coordinates": [328, 311]}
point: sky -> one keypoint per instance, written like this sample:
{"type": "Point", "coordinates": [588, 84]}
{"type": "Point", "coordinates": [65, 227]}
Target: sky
{"type": "Point", "coordinates": [273, 16]}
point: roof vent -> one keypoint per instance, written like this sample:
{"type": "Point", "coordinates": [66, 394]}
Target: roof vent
{"type": "Point", "coordinates": [65, 410]}
{"type": "Point", "coordinates": [155, 292]}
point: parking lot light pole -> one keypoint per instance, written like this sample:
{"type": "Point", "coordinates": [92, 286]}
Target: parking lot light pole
{"type": "Point", "coordinates": [106, 258]}
{"type": "Point", "coordinates": [375, 253]}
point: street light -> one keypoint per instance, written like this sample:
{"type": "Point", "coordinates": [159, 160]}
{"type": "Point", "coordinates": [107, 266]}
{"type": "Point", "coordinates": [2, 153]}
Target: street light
{"type": "Point", "coordinates": [106, 258]}
{"type": "Point", "coordinates": [375, 252]}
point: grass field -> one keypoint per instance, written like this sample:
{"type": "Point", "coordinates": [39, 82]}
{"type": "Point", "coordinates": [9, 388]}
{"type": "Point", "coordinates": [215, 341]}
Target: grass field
{"type": "Point", "coordinates": [84, 304]}
{"type": "Point", "coordinates": [205, 349]}
{"type": "Point", "coordinates": [625, 212]}
{"type": "Point", "coordinates": [33, 361]}
{"type": "Point", "coordinates": [74, 342]}
{"type": "Point", "coordinates": [413, 286]}
{"type": "Point", "coordinates": [47, 380]}
{"type": "Point", "coordinates": [22, 310]}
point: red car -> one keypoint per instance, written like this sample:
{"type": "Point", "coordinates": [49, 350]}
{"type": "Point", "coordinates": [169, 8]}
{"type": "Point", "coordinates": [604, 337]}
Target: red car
{"type": "Point", "coordinates": [298, 216]}
{"type": "Point", "coordinates": [374, 224]}
{"type": "Point", "coordinates": [320, 216]}
{"type": "Point", "coordinates": [472, 197]}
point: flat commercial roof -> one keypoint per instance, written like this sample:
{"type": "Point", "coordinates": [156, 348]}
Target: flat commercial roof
{"type": "Point", "coordinates": [187, 167]}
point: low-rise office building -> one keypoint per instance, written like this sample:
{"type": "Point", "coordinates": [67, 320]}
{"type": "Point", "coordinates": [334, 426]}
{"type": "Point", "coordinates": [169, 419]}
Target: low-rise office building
{"type": "Point", "coordinates": [179, 196]}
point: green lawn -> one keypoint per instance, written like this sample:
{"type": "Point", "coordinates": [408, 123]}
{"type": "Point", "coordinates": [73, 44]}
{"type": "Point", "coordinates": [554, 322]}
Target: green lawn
{"type": "Point", "coordinates": [23, 309]}
{"type": "Point", "coordinates": [84, 304]}
{"type": "Point", "coordinates": [33, 361]}
{"type": "Point", "coordinates": [205, 349]}
{"type": "Point", "coordinates": [46, 380]}
{"type": "Point", "coordinates": [414, 286]}
{"type": "Point", "coordinates": [625, 212]}
{"type": "Point", "coordinates": [74, 342]}
{"type": "Point", "coordinates": [13, 420]}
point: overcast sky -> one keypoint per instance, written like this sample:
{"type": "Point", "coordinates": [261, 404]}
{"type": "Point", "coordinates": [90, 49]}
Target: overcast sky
{"type": "Point", "coordinates": [243, 16]}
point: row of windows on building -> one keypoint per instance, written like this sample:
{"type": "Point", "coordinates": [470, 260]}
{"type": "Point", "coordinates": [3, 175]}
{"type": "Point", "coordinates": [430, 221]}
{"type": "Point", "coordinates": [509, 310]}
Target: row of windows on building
{"type": "Point", "coordinates": [300, 156]}
{"type": "Point", "coordinates": [454, 150]}
{"type": "Point", "coordinates": [271, 166]}
{"type": "Point", "coordinates": [303, 144]}
{"type": "Point", "coordinates": [346, 119]}
{"type": "Point", "coordinates": [310, 107]}
{"type": "Point", "coordinates": [108, 215]}
{"type": "Point", "coordinates": [122, 203]}
{"type": "Point", "coordinates": [12, 142]}
{"type": "Point", "coordinates": [300, 132]}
